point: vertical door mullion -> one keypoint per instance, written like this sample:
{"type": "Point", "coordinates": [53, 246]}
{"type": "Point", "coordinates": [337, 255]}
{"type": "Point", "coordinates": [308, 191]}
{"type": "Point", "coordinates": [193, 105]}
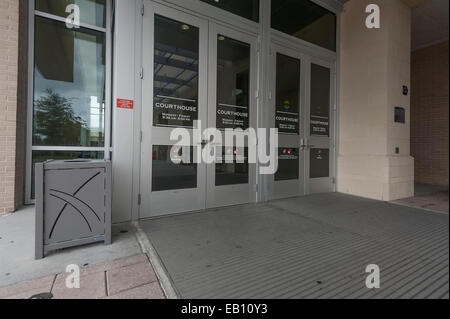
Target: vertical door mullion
{"type": "Point", "coordinates": [212, 105]}
{"type": "Point", "coordinates": [307, 124]}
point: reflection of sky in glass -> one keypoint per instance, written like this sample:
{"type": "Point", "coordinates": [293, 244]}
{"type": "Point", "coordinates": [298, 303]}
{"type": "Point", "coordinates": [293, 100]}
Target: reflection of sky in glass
{"type": "Point", "coordinates": [87, 90]}
{"type": "Point", "coordinates": [91, 12]}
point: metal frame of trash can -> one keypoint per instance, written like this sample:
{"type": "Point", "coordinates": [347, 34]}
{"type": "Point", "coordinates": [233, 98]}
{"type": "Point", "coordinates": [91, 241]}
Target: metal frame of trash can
{"type": "Point", "coordinates": [41, 249]}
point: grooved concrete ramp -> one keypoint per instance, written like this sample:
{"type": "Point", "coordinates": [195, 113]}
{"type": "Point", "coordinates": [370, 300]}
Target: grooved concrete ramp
{"type": "Point", "coordinates": [312, 247]}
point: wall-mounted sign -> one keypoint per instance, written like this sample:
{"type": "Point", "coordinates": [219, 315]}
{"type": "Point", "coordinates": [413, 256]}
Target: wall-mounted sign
{"type": "Point", "coordinates": [174, 112]}
{"type": "Point", "coordinates": [400, 115]}
{"type": "Point", "coordinates": [405, 90]}
{"type": "Point", "coordinates": [233, 117]}
{"type": "Point", "coordinates": [125, 104]}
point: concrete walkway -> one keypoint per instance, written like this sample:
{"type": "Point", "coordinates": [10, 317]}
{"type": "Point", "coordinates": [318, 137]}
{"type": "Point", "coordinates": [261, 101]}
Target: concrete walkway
{"type": "Point", "coordinates": [117, 271]}
{"type": "Point", "coordinates": [128, 278]}
{"type": "Point", "coordinates": [313, 247]}
{"type": "Point", "coordinates": [428, 197]}
{"type": "Point", "coordinates": [17, 262]}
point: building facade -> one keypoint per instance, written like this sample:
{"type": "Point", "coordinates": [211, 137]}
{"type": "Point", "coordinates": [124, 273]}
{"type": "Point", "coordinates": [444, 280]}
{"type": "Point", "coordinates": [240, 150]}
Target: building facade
{"type": "Point", "coordinates": [116, 85]}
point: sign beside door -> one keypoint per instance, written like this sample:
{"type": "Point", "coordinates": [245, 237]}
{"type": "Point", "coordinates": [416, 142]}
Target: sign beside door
{"type": "Point", "coordinates": [125, 104]}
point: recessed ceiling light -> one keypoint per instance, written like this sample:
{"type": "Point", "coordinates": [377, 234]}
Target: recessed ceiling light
{"type": "Point", "coordinates": [221, 38]}
{"type": "Point", "coordinates": [185, 27]}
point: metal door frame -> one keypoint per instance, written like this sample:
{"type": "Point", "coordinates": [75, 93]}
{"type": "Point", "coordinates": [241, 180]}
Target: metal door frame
{"type": "Point", "coordinates": [291, 188]}
{"type": "Point", "coordinates": [322, 185]}
{"type": "Point", "coordinates": [154, 204]}
{"type": "Point", "coordinates": [219, 196]}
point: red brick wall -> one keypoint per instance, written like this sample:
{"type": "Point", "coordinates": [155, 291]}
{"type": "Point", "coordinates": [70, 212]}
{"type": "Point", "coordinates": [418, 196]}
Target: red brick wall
{"type": "Point", "coordinates": [9, 35]}
{"type": "Point", "coordinates": [13, 102]}
{"type": "Point", "coordinates": [429, 114]}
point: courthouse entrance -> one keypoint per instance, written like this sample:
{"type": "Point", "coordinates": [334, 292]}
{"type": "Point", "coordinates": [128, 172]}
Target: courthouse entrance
{"type": "Point", "coordinates": [204, 72]}
{"type": "Point", "coordinates": [302, 95]}
{"type": "Point", "coordinates": [207, 71]}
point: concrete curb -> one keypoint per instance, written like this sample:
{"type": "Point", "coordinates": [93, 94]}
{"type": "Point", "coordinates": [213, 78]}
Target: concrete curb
{"type": "Point", "coordinates": [161, 272]}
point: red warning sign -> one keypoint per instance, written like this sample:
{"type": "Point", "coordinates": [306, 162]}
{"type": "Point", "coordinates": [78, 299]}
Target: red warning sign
{"type": "Point", "coordinates": [125, 104]}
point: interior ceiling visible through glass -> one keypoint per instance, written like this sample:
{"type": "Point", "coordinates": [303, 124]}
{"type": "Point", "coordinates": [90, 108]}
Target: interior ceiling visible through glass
{"type": "Point", "coordinates": [176, 59]}
{"type": "Point", "coordinates": [305, 20]}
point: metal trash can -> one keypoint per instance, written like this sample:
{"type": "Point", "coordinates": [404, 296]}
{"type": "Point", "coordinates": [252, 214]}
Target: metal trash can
{"type": "Point", "coordinates": [73, 204]}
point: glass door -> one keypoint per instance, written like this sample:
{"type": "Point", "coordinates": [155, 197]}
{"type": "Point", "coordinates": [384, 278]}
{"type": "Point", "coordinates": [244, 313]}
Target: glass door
{"type": "Point", "coordinates": [174, 96]}
{"type": "Point", "coordinates": [231, 105]}
{"type": "Point", "coordinates": [287, 101]}
{"type": "Point", "coordinates": [320, 143]}
{"type": "Point", "coordinates": [203, 76]}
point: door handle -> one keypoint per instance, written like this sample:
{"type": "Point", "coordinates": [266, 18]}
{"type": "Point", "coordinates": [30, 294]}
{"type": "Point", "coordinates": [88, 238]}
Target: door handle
{"type": "Point", "coordinates": [305, 145]}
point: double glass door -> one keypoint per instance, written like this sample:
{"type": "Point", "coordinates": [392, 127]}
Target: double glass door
{"type": "Point", "coordinates": [203, 76]}
{"type": "Point", "coordinates": [302, 91]}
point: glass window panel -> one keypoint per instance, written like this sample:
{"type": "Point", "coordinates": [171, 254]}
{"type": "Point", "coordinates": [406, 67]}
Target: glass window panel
{"type": "Point", "coordinates": [69, 86]}
{"type": "Point", "coordinates": [320, 100]}
{"type": "Point", "coordinates": [320, 163]}
{"type": "Point", "coordinates": [92, 12]}
{"type": "Point", "coordinates": [166, 175]}
{"type": "Point", "coordinates": [235, 173]}
{"type": "Point", "coordinates": [288, 95]}
{"type": "Point", "coordinates": [288, 164]}
{"type": "Point", "coordinates": [42, 156]}
{"type": "Point", "coordinates": [305, 20]}
{"type": "Point", "coordinates": [176, 77]}
{"type": "Point", "coordinates": [248, 9]}
{"type": "Point", "coordinates": [233, 83]}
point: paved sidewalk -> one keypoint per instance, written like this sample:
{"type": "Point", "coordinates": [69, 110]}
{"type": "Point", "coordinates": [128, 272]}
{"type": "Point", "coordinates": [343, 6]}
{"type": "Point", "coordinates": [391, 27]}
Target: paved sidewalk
{"type": "Point", "coordinates": [437, 202]}
{"type": "Point", "coordinates": [127, 278]}
{"type": "Point", "coordinates": [17, 263]}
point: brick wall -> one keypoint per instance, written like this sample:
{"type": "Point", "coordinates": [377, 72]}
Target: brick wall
{"type": "Point", "coordinates": [429, 114]}
{"type": "Point", "coordinates": [9, 35]}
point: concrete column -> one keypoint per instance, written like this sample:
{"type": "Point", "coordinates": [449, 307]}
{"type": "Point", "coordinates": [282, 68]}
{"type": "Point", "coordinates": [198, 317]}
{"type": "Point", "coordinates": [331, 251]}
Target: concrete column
{"type": "Point", "coordinates": [374, 154]}
{"type": "Point", "coordinates": [9, 52]}
{"type": "Point", "coordinates": [126, 82]}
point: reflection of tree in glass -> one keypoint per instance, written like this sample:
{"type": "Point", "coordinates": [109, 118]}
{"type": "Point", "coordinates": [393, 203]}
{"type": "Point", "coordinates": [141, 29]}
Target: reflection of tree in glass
{"type": "Point", "coordinates": [55, 122]}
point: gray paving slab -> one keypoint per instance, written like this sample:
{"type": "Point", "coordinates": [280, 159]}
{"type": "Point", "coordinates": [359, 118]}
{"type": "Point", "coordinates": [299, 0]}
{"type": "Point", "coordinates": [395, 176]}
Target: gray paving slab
{"type": "Point", "coordinates": [311, 247]}
{"type": "Point", "coordinates": [17, 262]}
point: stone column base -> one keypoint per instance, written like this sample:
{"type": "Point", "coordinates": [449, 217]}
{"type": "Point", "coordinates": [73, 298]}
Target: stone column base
{"type": "Point", "coordinates": [378, 177]}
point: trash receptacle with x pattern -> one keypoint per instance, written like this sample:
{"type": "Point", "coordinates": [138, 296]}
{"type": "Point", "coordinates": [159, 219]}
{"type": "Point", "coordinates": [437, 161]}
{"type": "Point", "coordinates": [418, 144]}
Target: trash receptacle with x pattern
{"type": "Point", "coordinates": [73, 204]}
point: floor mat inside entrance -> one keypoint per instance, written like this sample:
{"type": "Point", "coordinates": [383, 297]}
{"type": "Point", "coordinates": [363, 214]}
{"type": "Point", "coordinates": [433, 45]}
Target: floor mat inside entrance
{"type": "Point", "coordinates": [312, 247]}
